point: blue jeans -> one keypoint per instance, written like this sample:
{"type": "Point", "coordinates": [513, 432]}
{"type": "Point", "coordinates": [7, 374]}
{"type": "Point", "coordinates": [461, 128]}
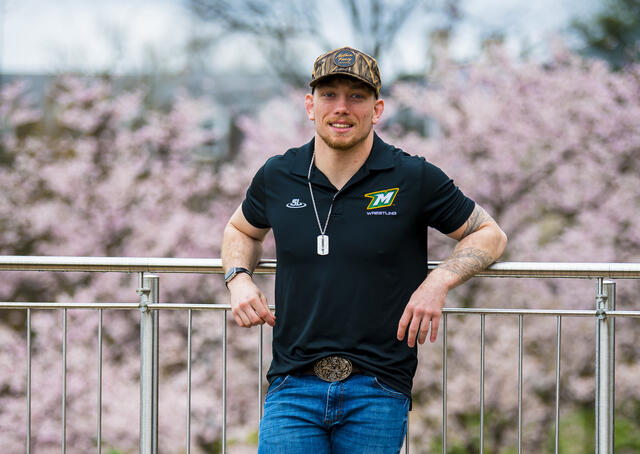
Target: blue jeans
{"type": "Point", "coordinates": [305, 415]}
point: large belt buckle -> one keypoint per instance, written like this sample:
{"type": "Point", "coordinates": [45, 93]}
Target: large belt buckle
{"type": "Point", "coordinates": [333, 368]}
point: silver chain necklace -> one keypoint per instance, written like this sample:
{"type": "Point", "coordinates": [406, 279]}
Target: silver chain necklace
{"type": "Point", "coordinates": [322, 240]}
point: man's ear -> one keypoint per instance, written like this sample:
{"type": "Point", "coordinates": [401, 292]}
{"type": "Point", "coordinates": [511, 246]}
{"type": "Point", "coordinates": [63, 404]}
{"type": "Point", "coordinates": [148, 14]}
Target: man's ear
{"type": "Point", "coordinates": [308, 105]}
{"type": "Point", "coordinates": [378, 108]}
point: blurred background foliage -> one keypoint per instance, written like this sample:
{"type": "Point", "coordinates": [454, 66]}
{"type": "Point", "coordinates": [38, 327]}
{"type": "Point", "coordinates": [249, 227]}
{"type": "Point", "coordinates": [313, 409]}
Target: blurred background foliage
{"type": "Point", "coordinates": [613, 33]}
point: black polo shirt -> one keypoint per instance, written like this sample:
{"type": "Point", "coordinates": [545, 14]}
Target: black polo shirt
{"type": "Point", "coordinates": [349, 302]}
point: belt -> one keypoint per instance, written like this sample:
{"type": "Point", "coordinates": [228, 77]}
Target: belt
{"type": "Point", "coordinates": [332, 368]}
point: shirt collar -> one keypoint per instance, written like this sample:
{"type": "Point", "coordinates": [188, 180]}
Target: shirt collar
{"type": "Point", "coordinates": [302, 159]}
{"type": "Point", "coordinates": [380, 157]}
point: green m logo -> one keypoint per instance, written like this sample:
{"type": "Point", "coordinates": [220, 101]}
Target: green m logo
{"type": "Point", "coordinates": [380, 199]}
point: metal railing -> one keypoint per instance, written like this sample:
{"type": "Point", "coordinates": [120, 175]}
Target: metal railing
{"type": "Point", "coordinates": [149, 305]}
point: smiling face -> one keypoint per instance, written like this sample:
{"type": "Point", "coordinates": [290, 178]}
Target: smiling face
{"type": "Point", "coordinates": [344, 111]}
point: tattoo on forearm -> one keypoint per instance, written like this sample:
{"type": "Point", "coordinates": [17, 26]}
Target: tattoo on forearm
{"type": "Point", "coordinates": [467, 262]}
{"type": "Point", "coordinates": [477, 218]}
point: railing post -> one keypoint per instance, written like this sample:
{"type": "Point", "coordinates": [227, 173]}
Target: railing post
{"type": "Point", "coordinates": [605, 365]}
{"type": "Point", "coordinates": [148, 289]}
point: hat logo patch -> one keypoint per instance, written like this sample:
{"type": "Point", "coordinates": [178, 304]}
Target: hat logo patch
{"type": "Point", "coordinates": [345, 59]}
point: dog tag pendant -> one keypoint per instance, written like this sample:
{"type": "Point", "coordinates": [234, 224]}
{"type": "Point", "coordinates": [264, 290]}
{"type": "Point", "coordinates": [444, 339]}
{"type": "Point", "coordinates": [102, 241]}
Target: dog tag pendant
{"type": "Point", "coordinates": [323, 245]}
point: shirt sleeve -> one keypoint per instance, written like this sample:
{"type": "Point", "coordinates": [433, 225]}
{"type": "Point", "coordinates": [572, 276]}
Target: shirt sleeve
{"type": "Point", "coordinates": [254, 205]}
{"type": "Point", "coordinates": [445, 208]}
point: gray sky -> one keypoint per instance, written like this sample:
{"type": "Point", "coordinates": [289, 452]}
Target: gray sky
{"type": "Point", "coordinates": [123, 35]}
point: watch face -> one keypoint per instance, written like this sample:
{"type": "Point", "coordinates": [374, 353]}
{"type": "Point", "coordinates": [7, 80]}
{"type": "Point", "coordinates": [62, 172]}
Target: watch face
{"type": "Point", "coordinates": [232, 272]}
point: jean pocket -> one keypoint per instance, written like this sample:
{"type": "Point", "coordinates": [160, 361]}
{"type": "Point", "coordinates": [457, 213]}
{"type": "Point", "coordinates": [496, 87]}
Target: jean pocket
{"type": "Point", "coordinates": [277, 384]}
{"type": "Point", "coordinates": [391, 392]}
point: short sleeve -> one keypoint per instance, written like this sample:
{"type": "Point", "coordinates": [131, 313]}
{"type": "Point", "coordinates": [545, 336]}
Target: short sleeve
{"type": "Point", "coordinates": [445, 207]}
{"type": "Point", "coordinates": [254, 206]}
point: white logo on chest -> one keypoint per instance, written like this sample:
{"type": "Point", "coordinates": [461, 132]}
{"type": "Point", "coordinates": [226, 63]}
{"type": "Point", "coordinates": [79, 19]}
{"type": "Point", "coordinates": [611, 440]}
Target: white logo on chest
{"type": "Point", "coordinates": [296, 203]}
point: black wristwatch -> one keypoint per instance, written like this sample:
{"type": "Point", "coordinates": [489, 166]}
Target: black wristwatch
{"type": "Point", "coordinates": [233, 272]}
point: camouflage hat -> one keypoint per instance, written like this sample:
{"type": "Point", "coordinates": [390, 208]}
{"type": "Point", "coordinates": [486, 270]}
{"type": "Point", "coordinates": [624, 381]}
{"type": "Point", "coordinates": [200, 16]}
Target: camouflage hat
{"type": "Point", "coordinates": [348, 62]}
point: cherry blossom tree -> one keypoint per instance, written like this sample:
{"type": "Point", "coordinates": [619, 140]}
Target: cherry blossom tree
{"type": "Point", "coordinates": [98, 171]}
{"type": "Point", "coordinates": [551, 151]}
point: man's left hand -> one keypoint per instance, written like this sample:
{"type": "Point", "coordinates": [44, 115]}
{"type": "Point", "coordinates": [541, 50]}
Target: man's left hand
{"type": "Point", "coordinates": [424, 309]}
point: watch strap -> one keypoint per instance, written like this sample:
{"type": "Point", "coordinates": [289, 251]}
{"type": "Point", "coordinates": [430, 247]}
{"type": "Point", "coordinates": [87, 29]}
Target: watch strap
{"type": "Point", "coordinates": [233, 272]}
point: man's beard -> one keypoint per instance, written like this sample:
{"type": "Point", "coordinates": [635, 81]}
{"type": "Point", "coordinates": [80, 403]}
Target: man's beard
{"type": "Point", "coordinates": [341, 145]}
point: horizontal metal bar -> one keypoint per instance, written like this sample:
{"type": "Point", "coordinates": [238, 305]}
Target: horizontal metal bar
{"type": "Point", "coordinates": [223, 307]}
{"type": "Point", "coordinates": [450, 310]}
{"type": "Point", "coordinates": [194, 306]}
{"type": "Point", "coordinates": [559, 270]}
{"type": "Point", "coordinates": [53, 305]}
{"type": "Point", "coordinates": [543, 312]}
{"type": "Point", "coordinates": [189, 306]}
{"type": "Point", "coordinates": [268, 266]}
{"type": "Point", "coordinates": [623, 314]}
{"type": "Point", "coordinates": [121, 264]}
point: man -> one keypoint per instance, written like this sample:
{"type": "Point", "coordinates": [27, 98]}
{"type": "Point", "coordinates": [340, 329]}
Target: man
{"type": "Point", "coordinates": [349, 214]}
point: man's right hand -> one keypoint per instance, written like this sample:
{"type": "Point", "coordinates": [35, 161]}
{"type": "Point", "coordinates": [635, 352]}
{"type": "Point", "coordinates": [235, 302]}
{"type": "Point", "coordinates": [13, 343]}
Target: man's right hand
{"type": "Point", "coordinates": [248, 304]}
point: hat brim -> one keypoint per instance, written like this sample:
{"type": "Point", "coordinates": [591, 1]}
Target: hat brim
{"type": "Point", "coordinates": [315, 82]}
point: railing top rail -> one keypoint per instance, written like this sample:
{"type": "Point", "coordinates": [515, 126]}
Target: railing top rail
{"type": "Point", "coordinates": [268, 266]}
{"type": "Point", "coordinates": [580, 270]}
{"type": "Point", "coordinates": [112, 264]}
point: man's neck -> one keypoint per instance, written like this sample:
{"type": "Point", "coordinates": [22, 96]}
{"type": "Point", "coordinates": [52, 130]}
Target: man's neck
{"type": "Point", "coordinates": [340, 165]}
